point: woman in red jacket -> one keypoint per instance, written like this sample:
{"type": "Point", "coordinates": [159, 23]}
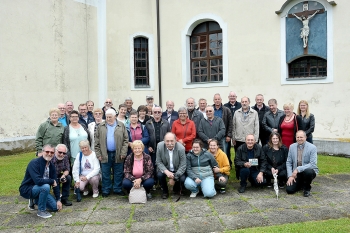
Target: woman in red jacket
{"type": "Point", "coordinates": [184, 129]}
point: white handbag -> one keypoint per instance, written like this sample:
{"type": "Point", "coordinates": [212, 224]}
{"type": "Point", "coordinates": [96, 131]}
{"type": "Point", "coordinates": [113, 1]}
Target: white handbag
{"type": "Point", "coordinates": [137, 196]}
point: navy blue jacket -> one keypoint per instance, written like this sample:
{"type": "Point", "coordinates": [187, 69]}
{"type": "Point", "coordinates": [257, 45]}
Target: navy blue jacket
{"type": "Point", "coordinates": [173, 117]}
{"type": "Point", "coordinates": [35, 176]}
{"type": "Point", "coordinates": [89, 120]}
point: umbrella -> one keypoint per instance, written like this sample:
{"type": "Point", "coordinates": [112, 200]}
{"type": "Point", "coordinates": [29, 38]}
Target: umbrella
{"type": "Point", "coordinates": [275, 184]}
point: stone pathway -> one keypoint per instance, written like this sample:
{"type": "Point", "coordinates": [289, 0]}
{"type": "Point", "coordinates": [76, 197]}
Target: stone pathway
{"type": "Point", "coordinates": [256, 207]}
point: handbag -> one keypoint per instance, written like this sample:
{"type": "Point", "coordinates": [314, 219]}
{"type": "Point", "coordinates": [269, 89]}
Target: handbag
{"type": "Point", "coordinates": [137, 196]}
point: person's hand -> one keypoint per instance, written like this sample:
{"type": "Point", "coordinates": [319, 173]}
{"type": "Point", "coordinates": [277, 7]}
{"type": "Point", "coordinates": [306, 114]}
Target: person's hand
{"type": "Point", "coordinates": [77, 184]}
{"type": "Point", "coordinates": [233, 142]}
{"type": "Point", "coordinates": [171, 182]}
{"type": "Point", "coordinates": [222, 179]}
{"type": "Point", "coordinates": [274, 130]}
{"type": "Point", "coordinates": [209, 140]}
{"type": "Point", "coordinates": [169, 174]}
{"type": "Point", "coordinates": [260, 178]}
{"type": "Point", "coordinates": [216, 169]}
{"type": "Point", "coordinates": [247, 164]}
{"type": "Point", "coordinates": [198, 181]}
{"type": "Point", "coordinates": [228, 139]}
{"type": "Point", "coordinates": [276, 171]}
{"type": "Point", "coordinates": [63, 176]}
{"type": "Point", "coordinates": [137, 183]}
{"type": "Point", "coordinates": [59, 205]}
{"type": "Point", "coordinates": [295, 173]}
{"type": "Point", "coordinates": [40, 154]}
{"type": "Point", "coordinates": [100, 158]}
{"type": "Point", "coordinates": [290, 181]}
{"type": "Point", "coordinates": [150, 149]}
{"type": "Point", "coordinates": [129, 144]}
{"type": "Point", "coordinates": [83, 178]}
{"type": "Point", "coordinates": [54, 183]}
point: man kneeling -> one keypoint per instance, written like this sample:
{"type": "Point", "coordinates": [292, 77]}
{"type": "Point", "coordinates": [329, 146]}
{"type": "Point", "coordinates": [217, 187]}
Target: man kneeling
{"type": "Point", "coordinates": [39, 176]}
{"type": "Point", "coordinates": [250, 163]}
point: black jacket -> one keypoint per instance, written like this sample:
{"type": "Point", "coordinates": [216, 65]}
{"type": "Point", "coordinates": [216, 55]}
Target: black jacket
{"type": "Point", "coordinates": [263, 134]}
{"type": "Point", "coordinates": [308, 125]}
{"type": "Point", "coordinates": [173, 117]}
{"type": "Point", "coordinates": [234, 107]}
{"type": "Point", "coordinates": [277, 157]}
{"type": "Point", "coordinates": [164, 128]}
{"type": "Point", "coordinates": [227, 118]}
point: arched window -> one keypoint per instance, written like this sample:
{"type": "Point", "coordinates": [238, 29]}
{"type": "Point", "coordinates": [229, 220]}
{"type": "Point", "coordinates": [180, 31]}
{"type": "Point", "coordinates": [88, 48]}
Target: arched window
{"type": "Point", "coordinates": [141, 70]}
{"type": "Point", "coordinates": [307, 67]}
{"type": "Point", "coordinates": [206, 53]}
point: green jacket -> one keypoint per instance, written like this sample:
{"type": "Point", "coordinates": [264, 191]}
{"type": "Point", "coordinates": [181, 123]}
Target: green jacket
{"type": "Point", "coordinates": [48, 134]}
{"type": "Point", "coordinates": [121, 138]}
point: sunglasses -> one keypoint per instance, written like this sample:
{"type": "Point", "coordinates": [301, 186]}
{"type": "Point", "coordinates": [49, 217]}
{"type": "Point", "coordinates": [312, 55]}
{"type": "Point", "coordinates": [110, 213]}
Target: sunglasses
{"type": "Point", "coordinates": [157, 112]}
{"type": "Point", "coordinates": [108, 102]}
{"type": "Point", "coordinates": [61, 152]}
{"type": "Point", "coordinates": [209, 111]}
{"type": "Point", "coordinates": [49, 152]}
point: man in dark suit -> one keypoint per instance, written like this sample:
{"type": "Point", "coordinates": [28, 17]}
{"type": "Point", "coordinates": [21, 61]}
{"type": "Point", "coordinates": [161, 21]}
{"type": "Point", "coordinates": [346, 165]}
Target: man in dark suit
{"type": "Point", "coordinates": [171, 163]}
{"type": "Point", "coordinates": [170, 115]}
{"type": "Point", "coordinates": [301, 165]}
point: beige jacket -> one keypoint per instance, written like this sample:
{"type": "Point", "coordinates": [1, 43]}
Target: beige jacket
{"type": "Point", "coordinates": [121, 139]}
{"type": "Point", "coordinates": [241, 128]}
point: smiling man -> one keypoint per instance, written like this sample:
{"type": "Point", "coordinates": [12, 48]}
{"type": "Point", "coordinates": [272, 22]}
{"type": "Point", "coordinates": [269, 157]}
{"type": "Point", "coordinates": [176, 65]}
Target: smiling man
{"type": "Point", "coordinates": [40, 175]}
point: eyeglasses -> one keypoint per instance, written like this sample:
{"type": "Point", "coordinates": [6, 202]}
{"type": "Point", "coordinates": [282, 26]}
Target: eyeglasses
{"type": "Point", "coordinates": [49, 152]}
{"type": "Point", "coordinates": [73, 116]}
{"type": "Point", "coordinates": [182, 113]}
{"type": "Point", "coordinates": [108, 102]}
{"type": "Point", "coordinates": [209, 111]}
{"type": "Point", "coordinates": [98, 113]}
{"type": "Point", "coordinates": [157, 112]}
{"type": "Point", "coordinates": [61, 152]}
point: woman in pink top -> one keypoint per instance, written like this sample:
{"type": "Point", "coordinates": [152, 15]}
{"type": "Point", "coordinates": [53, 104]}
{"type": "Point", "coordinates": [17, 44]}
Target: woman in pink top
{"type": "Point", "coordinates": [138, 169]}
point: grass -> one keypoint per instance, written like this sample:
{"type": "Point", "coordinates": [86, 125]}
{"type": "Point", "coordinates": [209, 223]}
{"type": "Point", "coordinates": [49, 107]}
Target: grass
{"type": "Point", "coordinates": [12, 169]}
{"type": "Point", "coordinates": [333, 225]}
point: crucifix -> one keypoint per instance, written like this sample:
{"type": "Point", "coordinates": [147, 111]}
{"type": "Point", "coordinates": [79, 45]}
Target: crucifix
{"type": "Point", "coordinates": [305, 16]}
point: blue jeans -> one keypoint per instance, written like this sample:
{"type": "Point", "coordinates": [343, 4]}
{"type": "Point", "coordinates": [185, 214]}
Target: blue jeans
{"type": "Point", "coordinates": [118, 174]}
{"type": "Point", "coordinates": [251, 174]}
{"type": "Point", "coordinates": [224, 145]}
{"type": "Point", "coordinates": [207, 186]}
{"type": "Point", "coordinates": [43, 198]}
{"type": "Point", "coordinates": [147, 184]}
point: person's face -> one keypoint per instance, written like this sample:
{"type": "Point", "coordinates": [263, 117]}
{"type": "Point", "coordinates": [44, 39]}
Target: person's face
{"type": "Point", "coordinates": [142, 114]}
{"type": "Point", "coordinates": [169, 141]}
{"type": "Point", "coordinates": [209, 112]}
{"type": "Point", "coordinates": [183, 115]}
{"type": "Point", "coordinates": [98, 115]}
{"type": "Point", "coordinates": [196, 148]}
{"type": "Point", "coordinates": [90, 106]}
{"type": "Point", "coordinates": [303, 107]}
{"type": "Point", "coordinates": [149, 101]}
{"type": "Point", "coordinates": [275, 140]}
{"type": "Point", "coordinates": [74, 118]}
{"type": "Point", "coordinates": [250, 141]}
{"type": "Point", "coordinates": [213, 147]}
{"type": "Point", "coordinates": [133, 119]}
{"type": "Point", "coordinates": [110, 118]}
{"type": "Point", "coordinates": [202, 104]}
{"type": "Point", "coordinates": [108, 104]}
{"type": "Point", "coordinates": [259, 100]}
{"type": "Point", "coordinates": [169, 106]}
{"type": "Point", "coordinates": [61, 153]}
{"type": "Point", "coordinates": [69, 106]}
{"type": "Point", "coordinates": [48, 153]}
{"type": "Point", "coordinates": [232, 97]}
{"type": "Point", "coordinates": [217, 100]}
{"type": "Point", "coordinates": [137, 150]}
{"type": "Point", "coordinates": [157, 113]}
{"type": "Point", "coordinates": [128, 104]}
{"type": "Point", "coordinates": [245, 103]}
{"type": "Point", "coordinates": [54, 116]}
{"type": "Point", "coordinates": [83, 110]}
{"type": "Point", "coordinates": [149, 107]}
{"type": "Point", "coordinates": [85, 150]}
{"type": "Point", "coordinates": [62, 109]}
{"type": "Point", "coordinates": [300, 138]}
{"type": "Point", "coordinates": [190, 104]}
{"type": "Point", "coordinates": [122, 111]}
{"type": "Point", "coordinates": [287, 110]}
{"type": "Point", "coordinates": [273, 107]}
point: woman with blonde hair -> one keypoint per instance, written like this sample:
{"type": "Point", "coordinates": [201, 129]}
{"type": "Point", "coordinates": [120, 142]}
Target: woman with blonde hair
{"type": "Point", "coordinates": [289, 124]}
{"type": "Point", "coordinates": [307, 118]}
{"type": "Point", "coordinates": [97, 114]}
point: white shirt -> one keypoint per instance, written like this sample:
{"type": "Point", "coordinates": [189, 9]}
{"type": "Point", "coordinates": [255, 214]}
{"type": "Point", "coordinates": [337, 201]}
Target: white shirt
{"type": "Point", "coordinates": [171, 165]}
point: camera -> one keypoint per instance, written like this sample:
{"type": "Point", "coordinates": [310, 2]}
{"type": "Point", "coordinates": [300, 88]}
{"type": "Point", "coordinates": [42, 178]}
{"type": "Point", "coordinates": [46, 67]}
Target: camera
{"type": "Point", "coordinates": [63, 179]}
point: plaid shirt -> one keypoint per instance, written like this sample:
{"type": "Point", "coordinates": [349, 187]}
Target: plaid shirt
{"type": "Point", "coordinates": [61, 165]}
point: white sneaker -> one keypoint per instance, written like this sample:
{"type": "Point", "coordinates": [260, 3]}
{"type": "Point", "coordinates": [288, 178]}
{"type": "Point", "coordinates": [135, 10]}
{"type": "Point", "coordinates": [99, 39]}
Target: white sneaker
{"type": "Point", "coordinates": [95, 195]}
{"type": "Point", "coordinates": [194, 194]}
{"type": "Point", "coordinates": [85, 193]}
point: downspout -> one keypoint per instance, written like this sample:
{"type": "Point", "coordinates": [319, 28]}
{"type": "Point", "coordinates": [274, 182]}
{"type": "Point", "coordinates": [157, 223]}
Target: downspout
{"type": "Point", "coordinates": [159, 63]}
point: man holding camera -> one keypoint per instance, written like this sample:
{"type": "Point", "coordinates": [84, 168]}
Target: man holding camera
{"type": "Point", "coordinates": [61, 163]}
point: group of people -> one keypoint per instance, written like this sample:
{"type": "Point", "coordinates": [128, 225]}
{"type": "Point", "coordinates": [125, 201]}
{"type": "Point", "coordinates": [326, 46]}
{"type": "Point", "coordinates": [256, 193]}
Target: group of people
{"type": "Point", "coordinates": [188, 148]}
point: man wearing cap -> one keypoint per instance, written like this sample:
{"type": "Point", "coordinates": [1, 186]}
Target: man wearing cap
{"type": "Point", "coordinates": [111, 147]}
{"type": "Point", "coordinates": [150, 101]}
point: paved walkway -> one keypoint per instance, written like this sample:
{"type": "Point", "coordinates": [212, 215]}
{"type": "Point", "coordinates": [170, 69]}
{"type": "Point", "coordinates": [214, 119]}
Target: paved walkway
{"type": "Point", "coordinates": [256, 207]}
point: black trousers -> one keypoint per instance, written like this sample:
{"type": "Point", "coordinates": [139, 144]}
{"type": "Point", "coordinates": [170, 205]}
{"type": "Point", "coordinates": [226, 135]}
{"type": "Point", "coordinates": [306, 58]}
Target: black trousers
{"type": "Point", "coordinates": [282, 176]}
{"type": "Point", "coordinates": [163, 182]}
{"type": "Point", "coordinates": [303, 181]}
{"type": "Point", "coordinates": [238, 144]}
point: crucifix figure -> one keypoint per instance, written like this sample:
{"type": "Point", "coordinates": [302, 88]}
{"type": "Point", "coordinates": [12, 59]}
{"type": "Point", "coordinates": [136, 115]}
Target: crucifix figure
{"type": "Point", "coordinates": [304, 34]}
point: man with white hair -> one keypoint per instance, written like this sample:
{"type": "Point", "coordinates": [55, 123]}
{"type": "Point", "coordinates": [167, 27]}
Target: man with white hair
{"type": "Point", "coordinates": [69, 107]}
{"type": "Point", "coordinates": [108, 105]}
{"type": "Point", "coordinates": [61, 162]}
{"type": "Point", "coordinates": [202, 104]}
{"type": "Point", "coordinates": [128, 102]}
{"type": "Point", "coordinates": [193, 114]}
{"type": "Point", "coordinates": [111, 147]}
{"type": "Point", "coordinates": [170, 114]}
{"type": "Point", "coordinates": [63, 117]}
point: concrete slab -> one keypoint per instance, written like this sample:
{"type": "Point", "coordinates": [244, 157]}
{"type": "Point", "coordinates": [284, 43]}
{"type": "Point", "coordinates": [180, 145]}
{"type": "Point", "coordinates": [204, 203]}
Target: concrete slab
{"type": "Point", "coordinates": [110, 216]}
{"type": "Point", "coordinates": [230, 207]}
{"type": "Point", "coordinates": [322, 213]}
{"type": "Point", "coordinates": [285, 216]}
{"type": "Point", "coordinates": [105, 228]}
{"type": "Point", "coordinates": [167, 226]}
{"type": "Point", "coordinates": [200, 224]}
{"type": "Point", "coordinates": [238, 221]}
{"type": "Point", "coordinates": [188, 209]}
{"type": "Point", "coordinates": [269, 204]}
{"type": "Point", "coordinates": [61, 229]}
{"type": "Point", "coordinates": [144, 213]}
